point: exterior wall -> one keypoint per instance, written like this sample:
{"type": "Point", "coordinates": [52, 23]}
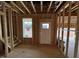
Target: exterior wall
{"type": "Point", "coordinates": [36, 20]}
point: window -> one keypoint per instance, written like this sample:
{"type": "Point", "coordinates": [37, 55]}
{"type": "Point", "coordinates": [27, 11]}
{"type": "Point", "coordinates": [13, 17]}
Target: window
{"type": "Point", "coordinates": [27, 27]}
{"type": "Point", "coordinates": [45, 26]}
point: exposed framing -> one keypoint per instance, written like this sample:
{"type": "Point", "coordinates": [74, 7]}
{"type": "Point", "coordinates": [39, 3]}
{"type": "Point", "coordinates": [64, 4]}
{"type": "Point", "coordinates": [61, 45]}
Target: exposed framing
{"type": "Point", "coordinates": [6, 4]}
{"type": "Point", "coordinates": [62, 43]}
{"type": "Point", "coordinates": [49, 6]}
{"type": "Point", "coordinates": [69, 18]}
{"type": "Point", "coordinates": [0, 29]}
{"type": "Point", "coordinates": [77, 34]}
{"type": "Point", "coordinates": [59, 5]}
{"type": "Point", "coordinates": [17, 31]}
{"type": "Point", "coordinates": [63, 23]}
{"type": "Point", "coordinates": [17, 7]}
{"type": "Point", "coordinates": [11, 28]}
{"type": "Point", "coordinates": [5, 30]}
{"type": "Point", "coordinates": [33, 6]}
{"type": "Point", "coordinates": [59, 31]}
{"type": "Point", "coordinates": [25, 7]}
{"type": "Point", "coordinates": [41, 6]}
{"type": "Point", "coordinates": [65, 5]}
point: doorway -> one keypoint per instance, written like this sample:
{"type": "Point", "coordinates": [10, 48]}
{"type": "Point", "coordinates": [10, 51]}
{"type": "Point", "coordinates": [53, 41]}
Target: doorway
{"type": "Point", "coordinates": [45, 33]}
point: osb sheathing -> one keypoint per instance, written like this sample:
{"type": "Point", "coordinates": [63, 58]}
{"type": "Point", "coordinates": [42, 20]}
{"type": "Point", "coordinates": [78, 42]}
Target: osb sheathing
{"type": "Point", "coordinates": [36, 23]}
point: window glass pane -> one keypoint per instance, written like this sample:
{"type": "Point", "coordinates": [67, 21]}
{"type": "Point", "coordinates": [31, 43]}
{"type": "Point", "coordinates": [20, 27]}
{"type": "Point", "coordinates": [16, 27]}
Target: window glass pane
{"type": "Point", "coordinates": [27, 27]}
{"type": "Point", "coordinates": [45, 26]}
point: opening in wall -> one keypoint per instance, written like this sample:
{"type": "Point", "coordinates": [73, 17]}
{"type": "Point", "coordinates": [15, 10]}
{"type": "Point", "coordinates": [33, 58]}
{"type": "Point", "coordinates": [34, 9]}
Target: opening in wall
{"type": "Point", "coordinates": [27, 27]}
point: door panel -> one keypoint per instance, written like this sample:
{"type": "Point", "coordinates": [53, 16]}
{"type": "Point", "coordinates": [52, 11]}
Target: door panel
{"type": "Point", "coordinates": [45, 33]}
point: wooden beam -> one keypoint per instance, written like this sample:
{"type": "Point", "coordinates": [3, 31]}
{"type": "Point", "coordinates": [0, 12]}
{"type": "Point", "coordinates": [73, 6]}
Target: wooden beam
{"type": "Point", "coordinates": [59, 29]}
{"type": "Point", "coordinates": [77, 34]}
{"type": "Point", "coordinates": [69, 18]}
{"type": "Point", "coordinates": [17, 24]}
{"type": "Point", "coordinates": [49, 6]}
{"type": "Point", "coordinates": [33, 6]}
{"type": "Point", "coordinates": [17, 7]}
{"type": "Point", "coordinates": [11, 27]}
{"type": "Point", "coordinates": [65, 5]}
{"type": "Point", "coordinates": [63, 23]}
{"type": "Point", "coordinates": [59, 5]}
{"type": "Point", "coordinates": [0, 29]}
{"type": "Point", "coordinates": [6, 4]}
{"type": "Point", "coordinates": [75, 8]}
{"type": "Point", "coordinates": [41, 6]}
{"type": "Point", "coordinates": [5, 30]}
{"type": "Point", "coordinates": [25, 7]}
{"type": "Point", "coordinates": [62, 43]}
{"type": "Point", "coordinates": [72, 9]}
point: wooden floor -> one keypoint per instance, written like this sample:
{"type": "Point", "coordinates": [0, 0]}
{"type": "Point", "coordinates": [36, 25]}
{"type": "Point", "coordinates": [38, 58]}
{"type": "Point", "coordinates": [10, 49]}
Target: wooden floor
{"type": "Point", "coordinates": [27, 51]}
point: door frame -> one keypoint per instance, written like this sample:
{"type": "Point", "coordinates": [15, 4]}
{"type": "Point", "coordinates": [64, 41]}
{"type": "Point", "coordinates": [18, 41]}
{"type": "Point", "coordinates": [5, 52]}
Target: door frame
{"type": "Point", "coordinates": [46, 21]}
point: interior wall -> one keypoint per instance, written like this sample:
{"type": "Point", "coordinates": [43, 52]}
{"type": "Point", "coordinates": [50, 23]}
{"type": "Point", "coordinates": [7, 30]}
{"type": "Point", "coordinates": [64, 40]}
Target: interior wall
{"type": "Point", "coordinates": [72, 24]}
{"type": "Point", "coordinates": [36, 20]}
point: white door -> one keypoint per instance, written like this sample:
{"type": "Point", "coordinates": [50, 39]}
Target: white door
{"type": "Point", "coordinates": [45, 33]}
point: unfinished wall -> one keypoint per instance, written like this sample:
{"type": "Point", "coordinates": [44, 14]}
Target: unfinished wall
{"type": "Point", "coordinates": [36, 20]}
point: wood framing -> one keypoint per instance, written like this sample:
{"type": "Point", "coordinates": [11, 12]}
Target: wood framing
{"type": "Point", "coordinates": [49, 6]}
{"type": "Point", "coordinates": [6, 4]}
{"type": "Point", "coordinates": [41, 6]}
{"type": "Point", "coordinates": [17, 29]}
{"type": "Point", "coordinates": [0, 29]}
{"type": "Point", "coordinates": [62, 34]}
{"type": "Point", "coordinates": [59, 30]}
{"type": "Point", "coordinates": [59, 5]}
{"type": "Point", "coordinates": [17, 7]}
{"type": "Point", "coordinates": [5, 30]}
{"type": "Point", "coordinates": [63, 23]}
{"type": "Point", "coordinates": [33, 6]}
{"type": "Point", "coordinates": [25, 7]}
{"type": "Point", "coordinates": [65, 5]}
{"type": "Point", "coordinates": [69, 18]}
{"type": "Point", "coordinates": [11, 28]}
{"type": "Point", "coordinates": [77, 34]}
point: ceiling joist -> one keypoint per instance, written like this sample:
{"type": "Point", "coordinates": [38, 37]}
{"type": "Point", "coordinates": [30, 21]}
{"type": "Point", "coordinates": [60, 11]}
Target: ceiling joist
{"type": "Point", "coordinates": [6, 4]}
{"type": "Point", "coordinates": [59, 5]}
{"type": "Point", "coordinates": [17, 7]}
{"type": "Point", "coordinates": [61, 8]}
{"type": "Point", "coordinates": [41, 6]}
{"type": "Point", "coordinates": [25, 7]}
{"type": "Point", "coordinates": [33, 6]}
{"type": "Point", "coordinates": [75, 7]}
{"type": "Point", "coordinates": [49, 6]}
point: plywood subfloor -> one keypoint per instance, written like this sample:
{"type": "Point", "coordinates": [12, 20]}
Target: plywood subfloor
{"type": "Point", "coordinates": [27, 51]}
